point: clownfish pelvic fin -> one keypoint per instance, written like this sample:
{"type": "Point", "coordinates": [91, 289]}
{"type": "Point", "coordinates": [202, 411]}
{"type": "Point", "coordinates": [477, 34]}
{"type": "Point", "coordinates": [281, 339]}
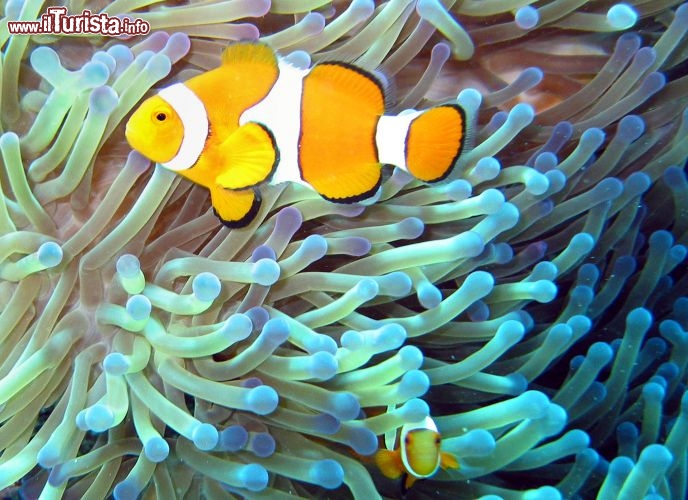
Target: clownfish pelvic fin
{"type": "Point", "coordinates": [235, 208]}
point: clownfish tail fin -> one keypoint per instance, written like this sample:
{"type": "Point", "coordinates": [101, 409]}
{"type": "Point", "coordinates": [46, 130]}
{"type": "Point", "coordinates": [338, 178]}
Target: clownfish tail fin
{"type": "Point", "coordinates": [389, 463]}
{"type": "Point", "coordinates": [435, 140]}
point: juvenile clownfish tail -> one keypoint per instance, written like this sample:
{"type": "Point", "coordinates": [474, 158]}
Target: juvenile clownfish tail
{"type": "Point", "coordinates": [434, 141]}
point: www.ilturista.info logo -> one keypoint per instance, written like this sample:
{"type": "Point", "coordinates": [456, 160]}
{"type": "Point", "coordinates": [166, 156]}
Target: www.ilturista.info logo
{"type": "Point", "coordinates": [57, 21]}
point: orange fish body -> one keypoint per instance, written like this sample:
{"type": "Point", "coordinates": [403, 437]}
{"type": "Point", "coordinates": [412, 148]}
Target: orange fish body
{"type": "Point", "coordinates": [257, 120]}
{"type": "Point", "coordinates": [418, 455]}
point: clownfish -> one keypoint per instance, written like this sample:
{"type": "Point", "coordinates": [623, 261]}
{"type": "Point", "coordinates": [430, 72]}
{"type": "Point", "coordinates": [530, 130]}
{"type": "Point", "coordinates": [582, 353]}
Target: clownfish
{"type": "Point", "coordinates": [257, 119]}
{"type": "Point", "coordinates": [418, 455]}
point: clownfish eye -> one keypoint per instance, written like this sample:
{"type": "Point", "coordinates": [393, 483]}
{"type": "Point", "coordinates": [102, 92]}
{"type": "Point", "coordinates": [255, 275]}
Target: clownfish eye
{"type": "Point", "coordinates": [161, 117]}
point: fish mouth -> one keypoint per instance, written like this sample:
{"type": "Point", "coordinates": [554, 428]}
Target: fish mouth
{"type": "Point", "coordinates": [140, 143]}
{"type": "Point", "coordinates": [135, 143]}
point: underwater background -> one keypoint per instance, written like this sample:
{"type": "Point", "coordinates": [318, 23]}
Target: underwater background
{"type": "Point", "coordinates": [535, 304]}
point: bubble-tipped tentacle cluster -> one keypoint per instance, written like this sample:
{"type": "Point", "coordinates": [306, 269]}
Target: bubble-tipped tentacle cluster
{"type": "Point", "coordinates": [533, 304]}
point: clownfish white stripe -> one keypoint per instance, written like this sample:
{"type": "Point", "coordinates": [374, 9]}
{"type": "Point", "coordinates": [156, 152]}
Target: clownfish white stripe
{"type": "Point", "coordinates": [390, 138]}
{"type": "Point", "coordinates": [280, 112]}
{"type": "Point", "coordinates": [194, 117]}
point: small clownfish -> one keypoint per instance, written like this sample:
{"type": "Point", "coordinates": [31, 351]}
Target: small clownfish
{"type": "Point", "coordinates": [257, 120]}
{"type": "Point", "coordinates": [418, 455]}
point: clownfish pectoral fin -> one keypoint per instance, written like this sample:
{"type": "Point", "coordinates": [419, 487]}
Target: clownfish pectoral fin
{"type": "Point", "coordinates": [235, 208]}
{"type": "Point", "coordinates": [355, 184]}
{"type": "Point", "coordinates": [435, 139]}
{"type": "Point", "coordinates": [448, 460]}
{"type": "Point", "coordinates": [389, 463]}
{"type": "Point", "coordinates": [249, 156]}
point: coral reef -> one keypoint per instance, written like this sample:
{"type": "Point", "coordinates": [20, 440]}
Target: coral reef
{"type": "Point", "coordinates": [534, 305]}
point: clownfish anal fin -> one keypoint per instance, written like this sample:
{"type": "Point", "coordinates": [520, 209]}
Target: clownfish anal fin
{"type": "Point", "coordinates": [355, 184]}
{"type": "Point", "coordinates": [249, 53]}
{"type": "Point", "coordinates": [389, 463]}
{"type": "Point", "coordinates": [248, 157]}
{"type": "Point", "coordinates": [448, 460]}
{"type": "Point", "coordinates": [235, 208]}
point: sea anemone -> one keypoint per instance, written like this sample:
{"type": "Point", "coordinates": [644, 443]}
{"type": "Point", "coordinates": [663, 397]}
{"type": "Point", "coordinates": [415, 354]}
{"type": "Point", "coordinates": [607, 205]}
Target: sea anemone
{"type": "Point", "coordinates": [533, 304]}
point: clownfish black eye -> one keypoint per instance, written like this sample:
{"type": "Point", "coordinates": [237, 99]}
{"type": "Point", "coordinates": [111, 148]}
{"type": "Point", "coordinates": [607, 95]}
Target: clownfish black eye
{"type": "Point", "coordinates": [161, 117]}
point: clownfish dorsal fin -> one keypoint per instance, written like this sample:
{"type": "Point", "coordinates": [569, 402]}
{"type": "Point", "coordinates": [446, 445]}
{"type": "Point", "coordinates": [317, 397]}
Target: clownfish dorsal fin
{"type": "Point", "coordinates": [388, 85]}
{"type": "Point", "coordinates": [389, 463]}
{"type": "Point", "coordinates": [235, 208]}
{"type": "Point", "coordinates": [365, 89]}
{"type": "Point", "coordinates": [448, 460]}
{"type": "Point", "coordinates": [248, 157]}
{"type": "Point", "coordinates": [249, 53]}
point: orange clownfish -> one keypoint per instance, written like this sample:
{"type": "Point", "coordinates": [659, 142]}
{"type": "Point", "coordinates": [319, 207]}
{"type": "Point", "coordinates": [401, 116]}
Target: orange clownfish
{"type": "Point", "coordinates": [257, 119]}
{"type": "Point", "coordinates": [418, 455]}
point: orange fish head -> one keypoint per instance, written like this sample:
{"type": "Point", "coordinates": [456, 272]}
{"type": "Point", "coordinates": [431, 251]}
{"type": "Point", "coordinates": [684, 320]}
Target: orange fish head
{"type": "Point", "coordinates": [421, 452]}
{"type": "Point", "coordinates": [155, 130]}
